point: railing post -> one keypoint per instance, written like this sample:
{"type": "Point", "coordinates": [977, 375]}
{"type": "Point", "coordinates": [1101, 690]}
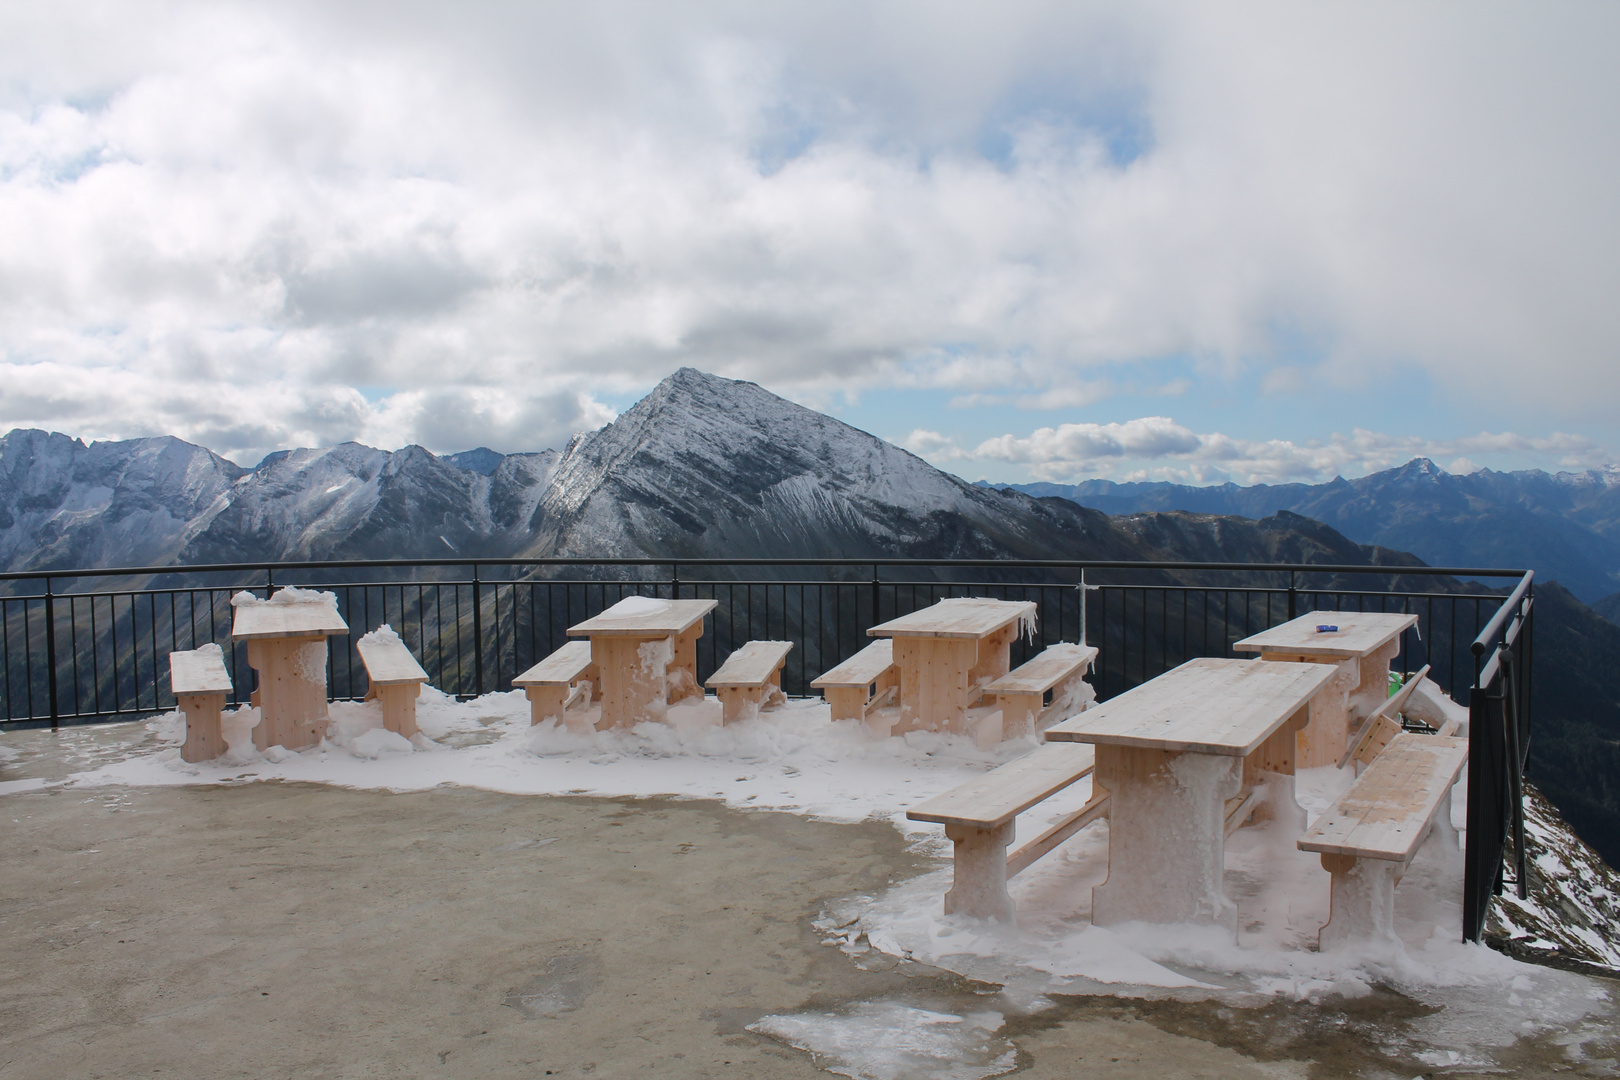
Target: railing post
{"type": "Point", "coordinates": [1510, 720]}
{"type": "Point", "coordinates": [1292, 594]}
{"type": "Point", "coordinates": [478, 635]}
{"type": "Point", "coordinates": [876, 618]}
{"type": "Point", "coordinates": [674, 581]}
{"type": "Point", "coordinates": [50, 653]}
{"type": "Point", "coordinates": [269, 582]}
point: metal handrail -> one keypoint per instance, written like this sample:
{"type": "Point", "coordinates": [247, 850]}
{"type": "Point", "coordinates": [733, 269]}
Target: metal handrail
{"type": "Point", "coordinates": [1052, 564]}
{"type": "Point", "coordinates": [1493, 628]}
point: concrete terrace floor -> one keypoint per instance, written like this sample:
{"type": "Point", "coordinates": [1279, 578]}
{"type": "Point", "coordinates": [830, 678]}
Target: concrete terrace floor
{"type": "Point", "coordinates": [291, 930]}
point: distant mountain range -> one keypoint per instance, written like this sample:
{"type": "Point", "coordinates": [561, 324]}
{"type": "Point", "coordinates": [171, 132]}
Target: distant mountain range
{"type": "Point", "coordinates": [1565, 526]}
{"type": "Point", "coordinates": [709, 467]}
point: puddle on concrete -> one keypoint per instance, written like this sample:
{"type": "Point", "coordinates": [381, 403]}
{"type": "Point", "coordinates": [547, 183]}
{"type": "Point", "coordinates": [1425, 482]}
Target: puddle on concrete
{"type": "Point", "coordinates": [561, 988]}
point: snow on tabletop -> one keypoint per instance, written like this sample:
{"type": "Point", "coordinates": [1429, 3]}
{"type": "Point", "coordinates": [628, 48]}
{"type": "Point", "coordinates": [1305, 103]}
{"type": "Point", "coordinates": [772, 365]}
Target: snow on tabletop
{"type": "Point", "coordinates": [632, 607]}
{"type": "Point", "coordinates": [287, 595]}
{"type": "Point", "coordinates": [1026, 618]}
{"type": "Point", "coordinates": [798, 759]}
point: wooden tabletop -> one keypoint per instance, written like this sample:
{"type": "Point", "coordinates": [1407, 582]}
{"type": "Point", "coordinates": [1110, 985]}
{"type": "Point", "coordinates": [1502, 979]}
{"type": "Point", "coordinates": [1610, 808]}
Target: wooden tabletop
{"type": "Point", "coordinates": [272, 620]}
{"type": "Point", "coordinates": [1206, 706]}
{"type": "Point", "coordinates": [1359, 633]}
{"type": "Point", "coordinates": [674, 617]}
{"type": "Point", "coordinates": [968, 617]}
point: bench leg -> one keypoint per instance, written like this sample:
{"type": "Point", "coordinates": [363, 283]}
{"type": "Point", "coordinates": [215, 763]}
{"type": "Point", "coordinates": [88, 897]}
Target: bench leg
{"type": "Point", "coordinates": [739, 702]}
{"type": "Point", "coordinates": [1018, 714]}
{"type": "Point", "coordinates": [1363, 901]}
{"type": "Point", "coordinates": [205, 739]}
{"type": "Point", "coordinates": [682, 678]}
{"type": "Point", "coordinates": [846, 702]}
{"type": "Point", "coordinates": [989, 729]}
{"type": "Point", "coordinates": [545, 702]}
{"type": "Point", "coordinates": [979, 872]}
{"type": "Point", "coordinates": [399, 707]}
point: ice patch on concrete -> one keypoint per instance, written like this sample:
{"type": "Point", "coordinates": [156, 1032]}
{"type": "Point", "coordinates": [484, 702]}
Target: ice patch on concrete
{"type": "Point", "coordinates": [887, 1040]}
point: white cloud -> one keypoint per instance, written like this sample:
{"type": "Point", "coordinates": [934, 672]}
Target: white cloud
{"type": "Point", "coordinates": [932, 445]}
{"type": "Point", "coordinates": [1158, 448]}
{"type": "Point", "coordinates": [272, 220]}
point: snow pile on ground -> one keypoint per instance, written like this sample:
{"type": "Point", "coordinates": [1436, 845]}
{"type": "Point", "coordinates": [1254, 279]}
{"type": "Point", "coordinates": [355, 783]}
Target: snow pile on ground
{"type": "Point", "coordinates": [793, 758]}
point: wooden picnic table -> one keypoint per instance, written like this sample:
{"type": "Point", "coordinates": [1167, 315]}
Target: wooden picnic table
{"type": "Point", "coordinates": [646, 654]}
{"type": "Point", "coordinates": [287, 647]}
{"type": "Point", "coordinates": [948, 653]}
{"type": "Point", "coordinates": [1361, 648]}
{"type": "Point", "coordinates": [1183, 756]}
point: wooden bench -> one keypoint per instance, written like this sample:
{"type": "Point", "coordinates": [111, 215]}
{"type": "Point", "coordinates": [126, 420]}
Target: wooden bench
{"type": "Point", "coordinates": [863, 683]}
{"type": "Point", "coordinates": [559, 681]}
{"type": "Point", "coordinates": [750, 679]}
{"type": "Point", "coordinates": [200, 684]}
{"type": "Point", "coordinates": [1381, 727]}
{"type": "Point", "coordinates": [1031, 696]}
{"type": "Point", "coordinates": [395, 676]}
{"type": "Point", "coordinates": [1368, 837]}
{"type": "Point", "coordinates": [979, 818]}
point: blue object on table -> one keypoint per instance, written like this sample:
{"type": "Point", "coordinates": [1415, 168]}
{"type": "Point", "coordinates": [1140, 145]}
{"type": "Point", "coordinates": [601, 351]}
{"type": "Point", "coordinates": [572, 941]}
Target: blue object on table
{"type": "Point", "coordinates": [1325, 628]}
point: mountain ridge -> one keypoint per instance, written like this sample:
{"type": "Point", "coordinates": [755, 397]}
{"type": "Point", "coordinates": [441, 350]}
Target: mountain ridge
{"type": "Point", "coordinates": [1562, 525]}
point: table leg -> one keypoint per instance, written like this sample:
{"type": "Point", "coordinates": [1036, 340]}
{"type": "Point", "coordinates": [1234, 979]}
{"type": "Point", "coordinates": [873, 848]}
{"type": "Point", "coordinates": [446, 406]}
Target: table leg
{"type": "Point", "coordinates": [1166, 836]}
{"type": "Point", "coordinates": [634, 678]}
{"type": "Point", "coordinates": [292, 691]}
{"type": "Point", "coordinates": [933, 682]}
{"type": "Point", "coordinates": [1323, 740]}
{"type": "Point", "coordinates": [683, 667]}
{"type": "Point", "coordinates": [1372, 687]}
{"type": "Point", "coordinates": [1271, 769]}
{"type": "Point", "coordinates": [993, 658]}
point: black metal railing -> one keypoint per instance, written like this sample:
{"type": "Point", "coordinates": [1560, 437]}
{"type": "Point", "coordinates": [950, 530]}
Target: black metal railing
{"type": "Point", "coordinates": [91, 645]}
{"type": "Point", "coordinates": [1498, 749]}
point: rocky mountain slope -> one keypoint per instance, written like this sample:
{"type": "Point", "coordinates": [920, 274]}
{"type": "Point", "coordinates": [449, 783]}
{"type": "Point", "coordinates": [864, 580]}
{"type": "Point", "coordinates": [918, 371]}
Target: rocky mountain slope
{"type": "Point", "coordinates": [1565, 526]}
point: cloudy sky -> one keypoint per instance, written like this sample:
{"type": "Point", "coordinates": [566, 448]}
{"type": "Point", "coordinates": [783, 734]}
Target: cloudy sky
{"type": "Point", "coordinates": [1202, 242]}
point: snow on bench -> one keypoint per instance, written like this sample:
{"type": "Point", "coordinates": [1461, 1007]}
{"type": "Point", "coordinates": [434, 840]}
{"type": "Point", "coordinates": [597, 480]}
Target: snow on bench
{"type": "Point", "coordinates": [1381, 726]}
{"type": "Point", "coordinates": [1050, 687]}
{"type": "Point", "coordinates": [396, 678]}
{"type": "Point", "coordinates": [751, 678]}
{"type": "Point", "coordinates": [979, 818]}
{"type": "Point", "coordinates": [1368, 838]}
{"type": "Point", "coordinates": [866, 681]}
{"type": "Point", "coordinates": [559, 681]}
{"type": "Point", "coordinates": [200, 683]}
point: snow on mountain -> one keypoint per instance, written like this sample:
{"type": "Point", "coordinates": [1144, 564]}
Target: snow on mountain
{"type": "Point", "coordinates": [354, 502]}
{"type": "Point", "coordinates": [705, 466]}
{"type": "Point", "coordinates": [1572, 908]}
{"type": "Point", "coordinates": [132, 503]}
